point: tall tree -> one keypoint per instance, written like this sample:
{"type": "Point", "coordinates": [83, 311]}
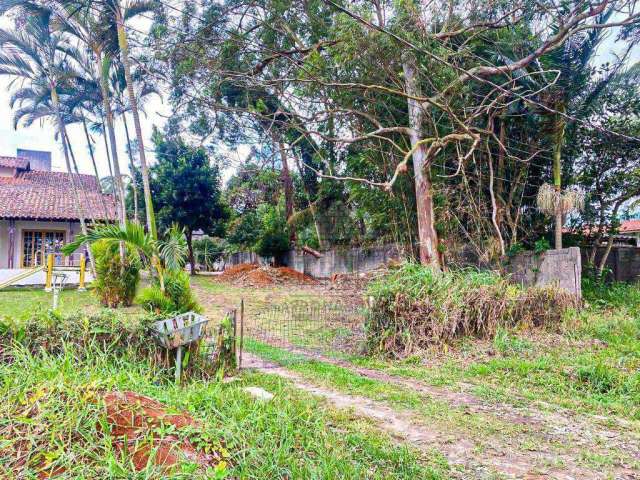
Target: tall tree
{"type": "Point", "coordinates": [186, 189]}
{"type": "Point", "coordinates": [39, 56]}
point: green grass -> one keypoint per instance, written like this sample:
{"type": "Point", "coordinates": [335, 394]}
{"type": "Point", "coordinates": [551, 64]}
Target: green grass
{"type": "Point", "coordinates": [22, 303]}
{"type": "Point", "coordinates": [294, 436]}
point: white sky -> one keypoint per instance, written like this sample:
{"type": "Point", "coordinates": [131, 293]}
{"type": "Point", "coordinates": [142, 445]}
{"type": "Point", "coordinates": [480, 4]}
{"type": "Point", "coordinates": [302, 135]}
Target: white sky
{"type": "Point", "coordinates": [40, 136]}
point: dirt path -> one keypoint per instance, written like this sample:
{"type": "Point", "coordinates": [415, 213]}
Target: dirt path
{"type": "Point", "coordinates": [456, 448]}
{"type": "Point", "coordinates": [560, 425]}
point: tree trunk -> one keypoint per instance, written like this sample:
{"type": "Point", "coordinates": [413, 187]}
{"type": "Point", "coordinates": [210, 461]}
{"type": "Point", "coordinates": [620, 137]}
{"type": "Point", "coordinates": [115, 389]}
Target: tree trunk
{"type": "Point", "coordinates": [132, 167]}
{"type": "Point", "coordinates": [427, 235]}
{"type": "Point", "coordinates": [74, 188]}
{"type": "Point", "coordinates": [95, 166]}
{"type": "Point", "coordinates": [106, 105]}
{"type": "Point", "coordinates": [82, 187]}
{"type": "Point", "coordinates": [287, 186]}
{"type": "Point", "coordinates": [603, 261]}
{"type": "Point", "coordinates": [312, 208]}
{"type": "Point", "coordinates": [124, 56]}
{"type": "Point", "coordinates": [557, 177]}
{"type": "Point", "coordinates": [192, 260]}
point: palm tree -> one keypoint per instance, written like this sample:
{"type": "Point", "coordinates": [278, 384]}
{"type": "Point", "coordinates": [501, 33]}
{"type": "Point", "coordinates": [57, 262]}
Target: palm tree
{"type": "Point", "coordinates": [122, 107]}
{"type": "Point", "coordinates": [573, 93]}
{"type": "Point", "coordinates": [33, 103]}
{"type": "Point", "coordinates": [42, 59]}
{"type": "Point", "coordinates": [89, 27]}
{"type": "Point", "coordinates": [167, 254]}
{"type": "Point", "coordinates": [133, 8]}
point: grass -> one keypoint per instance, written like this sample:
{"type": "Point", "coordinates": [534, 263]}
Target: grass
{"type": "Point", "coordinates": [23, 302]}
{"type": "Point", "coordinates": [52, 406]}
{"type": "Point", "coordinates": [590, 365]}
{"type": "Point", "coordinates": [295, 436]}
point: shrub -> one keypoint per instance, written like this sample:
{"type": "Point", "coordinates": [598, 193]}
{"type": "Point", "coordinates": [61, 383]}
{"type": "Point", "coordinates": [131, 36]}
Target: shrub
{"type": "Point", "coordinates": [274, 239]}
{"type": "Point", "coordinates": [117, 279]}
{"type": "Point", "coordinates": [599, 292]}
{"type": "Point", "coordinates": [49, 331]}
{"type": "Point", "coordinates": [415, 306]}
{"type": "Point", "coordinates": [177, 297]}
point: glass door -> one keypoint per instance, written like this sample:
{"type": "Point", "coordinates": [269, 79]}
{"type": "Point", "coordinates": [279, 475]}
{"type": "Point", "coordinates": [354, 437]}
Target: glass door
{"type": "Point", "coordinates": [37, 244]}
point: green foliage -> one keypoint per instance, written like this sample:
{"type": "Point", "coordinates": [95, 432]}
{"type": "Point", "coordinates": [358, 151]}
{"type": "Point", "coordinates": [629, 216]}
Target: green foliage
{"type": "Point", "coordinates": [208, 250]}
{"type": "Point", "coordinates": [117, 279]}
{"type": "Point", "coordinates": [515, 249]}
{"type": "Point", "coordinates": [244, 231]}
{"type": "Point", "coordinates": [274, 235]}
{"type": "Point", "coordinates": [177, 298]}
{"type": "Point", "coordinates": [186, 186]}
{"type": "Point", "coordinates": [597, 291]}
{"type": "Point", "coordinates": [599, 378]}
{"type": "Point", "coordinates": [541, 245]}
{"type": "Point", "coordinates": [105, 331]}
{"type": "Point", "coordinates": [415, 306]}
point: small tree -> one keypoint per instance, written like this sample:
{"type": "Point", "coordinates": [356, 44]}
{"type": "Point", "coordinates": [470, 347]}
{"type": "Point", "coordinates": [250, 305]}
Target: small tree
{"type": "Point", "coordinates": [274, 237]}
{"type": "Point", "coordinates": [186, 189]}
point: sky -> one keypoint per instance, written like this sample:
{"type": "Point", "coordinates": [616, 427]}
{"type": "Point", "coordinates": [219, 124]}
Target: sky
{"type": "Point", "coordinates": [40, 136]}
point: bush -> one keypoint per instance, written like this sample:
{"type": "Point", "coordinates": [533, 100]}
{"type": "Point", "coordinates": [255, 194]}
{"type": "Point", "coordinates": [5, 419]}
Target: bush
{"type": "Point", "coordinates": [415, 306]}
{"type": "Point", "coordinates": [599, 292]}
{"type": "Point", "coordinates": [117, 280]}
{"type": "Point", "coordinates": [274, 238]}
{"type": "Point", "coordinates": [177, 297]}
{"type": "Point", "coordinates": [49, 331]}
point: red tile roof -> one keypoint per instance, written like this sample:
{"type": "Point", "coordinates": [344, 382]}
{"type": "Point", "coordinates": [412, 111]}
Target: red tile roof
{"type": "Point", "coordinates": [629, 226]}
{"type": "Point", "coordinates": [14, 162]}
{"type": "Point", "coordinates": [48, 196]}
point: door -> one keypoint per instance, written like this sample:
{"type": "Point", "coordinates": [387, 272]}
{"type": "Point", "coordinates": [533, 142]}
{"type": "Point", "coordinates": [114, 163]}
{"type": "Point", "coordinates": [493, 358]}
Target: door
{"type": "Point", "coordinates": [36, 244]}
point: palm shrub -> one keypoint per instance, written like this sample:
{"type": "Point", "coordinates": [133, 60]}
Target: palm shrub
{"type": "Point", "coordinates": [165, 258]}
{"type": "Point", "coordinates": [177, 297]}
{"type": "Point", "coordinates": [117, 278]}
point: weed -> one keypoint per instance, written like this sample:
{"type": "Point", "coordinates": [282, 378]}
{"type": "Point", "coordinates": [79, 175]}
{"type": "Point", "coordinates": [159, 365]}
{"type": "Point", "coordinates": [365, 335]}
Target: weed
{"type": "Point", "coordinates": [415, 306]}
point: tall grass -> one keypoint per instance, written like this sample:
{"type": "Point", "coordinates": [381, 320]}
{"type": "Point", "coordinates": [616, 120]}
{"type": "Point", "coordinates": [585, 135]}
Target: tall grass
{"type": "Point", "coordinates": [414, 306]}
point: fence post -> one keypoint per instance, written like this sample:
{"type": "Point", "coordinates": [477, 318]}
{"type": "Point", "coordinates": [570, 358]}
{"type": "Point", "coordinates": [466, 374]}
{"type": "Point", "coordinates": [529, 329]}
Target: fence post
{"type": "Point", "coordinates": [47, 287]}
{"type": "Point", "coordinates": [241, 332]}
{"type": "Point", "coordinates": [83, 261]}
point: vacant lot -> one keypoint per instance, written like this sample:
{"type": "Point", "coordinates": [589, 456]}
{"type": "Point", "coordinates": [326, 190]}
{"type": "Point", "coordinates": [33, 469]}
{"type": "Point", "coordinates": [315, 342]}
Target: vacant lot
{"type": "Point", "coordinates": [528, 404]}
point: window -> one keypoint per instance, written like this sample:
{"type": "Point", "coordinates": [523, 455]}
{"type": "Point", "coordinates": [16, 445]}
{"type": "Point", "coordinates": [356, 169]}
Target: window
{"type": "Point", "coordinates": [36, 244]}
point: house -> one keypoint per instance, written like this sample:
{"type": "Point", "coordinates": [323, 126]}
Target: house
{"type": "Point", "coordinates": [37, 208]}
{"type": "Point", "coordinates": [631, 228]}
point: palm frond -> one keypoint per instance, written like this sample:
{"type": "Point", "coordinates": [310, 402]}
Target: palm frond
{"type": "Point", "coordinates": [137, 7]}
{"type": "Point", "coordinates": [173, 248]}
{"type": "Point", "coordinates": [132, 234]}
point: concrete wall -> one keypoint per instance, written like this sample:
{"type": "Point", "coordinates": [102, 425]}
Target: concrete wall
{"type": "Point", "coordinates": [70, 229]}
{"type": "Point", "coordinates": [623, 262]}
{"type": "Point", "coordinates": [553, 267]}
{"type": "Point", "coordinates": [335, 261]}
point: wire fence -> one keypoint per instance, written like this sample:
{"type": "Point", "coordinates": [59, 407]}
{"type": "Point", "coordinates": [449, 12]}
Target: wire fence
{"type": "Point", "coordinates": [306, 327]}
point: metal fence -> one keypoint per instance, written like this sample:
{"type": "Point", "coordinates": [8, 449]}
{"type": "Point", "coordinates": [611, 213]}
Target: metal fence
{"type": "Point", "coordinates": [305, 327]}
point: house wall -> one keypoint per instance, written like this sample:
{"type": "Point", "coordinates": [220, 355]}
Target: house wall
{"type": "Point", "coordinates": [70, 229]}
{"type": "Point", "coordinates": [4, 243]}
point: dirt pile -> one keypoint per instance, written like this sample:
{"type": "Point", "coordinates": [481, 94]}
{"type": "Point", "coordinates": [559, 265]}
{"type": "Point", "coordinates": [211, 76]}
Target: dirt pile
{"type": "Point", "coordinates": [253, 275]}
{"type": "Point", "coordinates": [134, 421]}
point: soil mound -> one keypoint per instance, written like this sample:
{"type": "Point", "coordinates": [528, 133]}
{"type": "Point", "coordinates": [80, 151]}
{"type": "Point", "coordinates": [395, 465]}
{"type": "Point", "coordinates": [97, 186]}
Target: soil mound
{"type": "Point", "coordinates": [253, 275]}
{"type": "Point", "coordinates": [133, 419]}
